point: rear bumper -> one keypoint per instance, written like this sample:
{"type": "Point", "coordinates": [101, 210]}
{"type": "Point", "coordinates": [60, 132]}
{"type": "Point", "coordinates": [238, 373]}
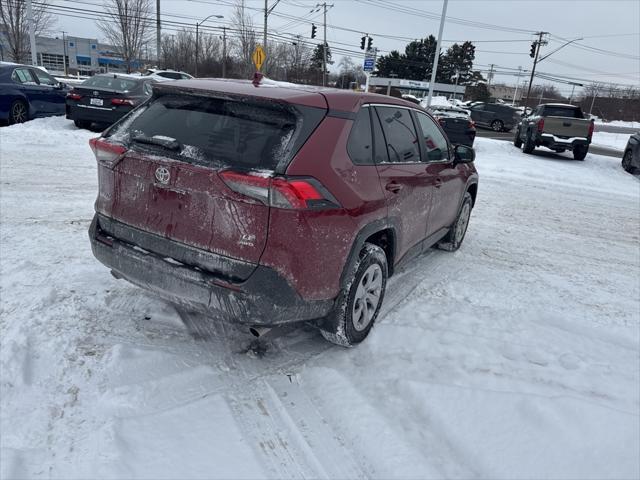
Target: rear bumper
{"type": "Point", "coordinates": [88, 113]}
{"type": "Point", "coordinates": [551, 141]}
{"type": "Point", "coordinates": [264, 299]}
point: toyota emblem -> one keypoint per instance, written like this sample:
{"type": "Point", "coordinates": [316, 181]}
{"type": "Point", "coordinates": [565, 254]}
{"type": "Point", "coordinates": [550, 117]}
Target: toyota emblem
{"type": "Point", "coordinates": [96, 93]}
{"type": "Point", "coordinates": [162, 175]}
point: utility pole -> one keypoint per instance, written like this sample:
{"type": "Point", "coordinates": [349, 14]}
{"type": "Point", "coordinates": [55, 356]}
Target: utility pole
{"type": "Point", "coordinates": [515, 93]}
{"type": "Point", "coordinates": [224, 52]}
{"type": "Point", "coordinates": [436, 55]}
{"type": "Point", "coordinates": [64, 52]}
{"type": "Point", "coordinates": [267, 12]}
{"type": "Point", "coordinates": [32, 33]}
{"type": "Point", "coordinates": [490, 74]}
{"type": "Point", "coordinates": [324, 47]}
{"type": "Point", "coordinates": [538, 44]}
{"type": "Point", "coordinates": [158, 32]}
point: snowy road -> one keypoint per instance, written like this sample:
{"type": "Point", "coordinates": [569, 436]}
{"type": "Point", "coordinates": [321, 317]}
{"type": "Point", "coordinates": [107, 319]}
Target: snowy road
{"type": "Point", "coordinates": [516, 357]}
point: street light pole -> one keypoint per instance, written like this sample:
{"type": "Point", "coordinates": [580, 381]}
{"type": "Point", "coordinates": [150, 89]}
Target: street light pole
{"type": "Point", "coordinates": [32, 33]}
{"type": "Point", "coordinates": [198, 41]}
{"type": "Point", "coordinates": [436, 54]}
{"type": "Point", "coordinates": [64, 52]}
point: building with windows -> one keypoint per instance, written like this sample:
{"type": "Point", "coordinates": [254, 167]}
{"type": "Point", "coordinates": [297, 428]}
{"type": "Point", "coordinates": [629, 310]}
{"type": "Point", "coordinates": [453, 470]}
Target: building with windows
{"type": "Point", "coordinates": [82, 56]}
{"type": "Point", "coordinates": [419, 88]}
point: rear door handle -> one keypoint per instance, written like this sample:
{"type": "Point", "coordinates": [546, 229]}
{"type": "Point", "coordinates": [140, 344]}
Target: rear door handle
{"type": "Point", "coordinates": [393, 187]}
{"type": "Point", "coordinates": [438, 182]}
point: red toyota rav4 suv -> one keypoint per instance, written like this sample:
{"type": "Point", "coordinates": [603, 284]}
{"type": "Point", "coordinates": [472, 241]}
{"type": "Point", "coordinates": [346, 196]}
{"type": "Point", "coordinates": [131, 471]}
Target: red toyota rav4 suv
{"type": "Point", "coordinates": [272, 204]}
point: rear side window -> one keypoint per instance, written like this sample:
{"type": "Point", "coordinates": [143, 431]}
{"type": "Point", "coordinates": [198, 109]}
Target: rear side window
{"type": "Point", "coordinates": [551, 111]}
{"type": "Point", "coordinates": [23, 75]}
{"type": "Point", "coordinates": [400, 134]}
{"type": "Point", "coordinates": [359, 145]}
{"type": "Point", "coordinates": [112, 83]}
{"type": "Point", "coordinates": [213, 132]}
{"type": "Point", "coordinates": [172, 75]}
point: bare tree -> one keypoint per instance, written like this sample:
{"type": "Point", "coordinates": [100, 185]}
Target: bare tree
{"type": "Point", "coordinates": [127, 27]}
{"type": "Point", "coordinates": [14, 21]}
{"type": "Point", "coordinates": [245, 41]}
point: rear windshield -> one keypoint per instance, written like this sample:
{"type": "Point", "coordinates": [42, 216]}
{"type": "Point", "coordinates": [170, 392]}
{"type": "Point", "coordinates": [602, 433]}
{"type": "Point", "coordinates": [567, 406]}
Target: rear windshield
{"type": "Point", "coordinates": [118, 84]}
{"type": "Point", "coordinates": [551, 111]}
{"type": "Point", "coordinates": [213, 132]}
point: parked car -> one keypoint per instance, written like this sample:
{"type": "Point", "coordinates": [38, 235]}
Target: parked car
{"type": "Point", "coordinates": [28, 92]}
{"type": "Point", "coordinates": [456, 123]}
{"type": "Point", "coordinates": [499, 117]}
{"type": "Point", "coordinates": [556, 126]}
{"type": "Point", "coordinates": [161, 75]}
{"type": "Point", "coordinates": [631, 157]}
{"type": "Point", "coordinates": [105, 98]}
{"type": "Point", "coordinates": [270, 205]}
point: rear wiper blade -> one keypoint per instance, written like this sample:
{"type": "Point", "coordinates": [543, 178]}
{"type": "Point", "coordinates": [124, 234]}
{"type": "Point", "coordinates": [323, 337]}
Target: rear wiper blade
{"type": "Point", "coordinates": [166, 142]}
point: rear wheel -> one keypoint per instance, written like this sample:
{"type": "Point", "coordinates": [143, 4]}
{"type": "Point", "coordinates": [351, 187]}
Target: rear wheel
{"type": "Point", "coordinates": [626, 162]}
{"type": "Point", "coordinates": [497, 125]}
{"type": "Point", "coordinates": [517, 141]}
{"type": "Point", "coordinates": [82, 123]}
{"type": "Point", "coordinates": [358, 305]}
{"type": "Point", "coordinates": [19, 113]}
{"type": "Point", "coordinates": [529, 145]}
{"type": "Point", "coordinates": [454, 238]}
{"type": "Point", "coordinates": [580, 152]}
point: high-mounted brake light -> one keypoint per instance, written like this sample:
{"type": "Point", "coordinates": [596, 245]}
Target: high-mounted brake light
{"type": "Point", "coordinates": [107, 153]}
{"type": "Point", "coordinates": [121, 101]}
{"type": "Point", "coordinates": [541, 125]}
{"type": "Point", "coordinates": [74, 96]}
{"type": "Point", "coordinates": [287, 193]}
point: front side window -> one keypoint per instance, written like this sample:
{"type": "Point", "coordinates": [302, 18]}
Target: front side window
{"type": "Point", "coordinates": [44, 78]}
{"type": "Point", "coordinates": [435, 142]}
{"type": "Point", "coordinates": [478, 108]}
{"type": "Point", "coordinates": [400, 134]}
{"type": "Point", "coordinates": [359, 144]}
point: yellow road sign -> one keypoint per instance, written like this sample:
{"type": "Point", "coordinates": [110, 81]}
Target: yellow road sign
{"type": "Point", "coordinates": [259, 57]}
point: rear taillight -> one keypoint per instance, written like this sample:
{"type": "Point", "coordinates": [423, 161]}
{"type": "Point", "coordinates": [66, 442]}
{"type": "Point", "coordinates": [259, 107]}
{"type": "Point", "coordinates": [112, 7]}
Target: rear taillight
{"type": "Point", "coordinates": [74, 96]}
{"type": "Point", "coordinates": [107, 153]}
{"type": "Point", "coordinates": [541, 125]}
{"type": "Point", "coordinates": [472, 124]}
{"type": "Point", "coordinates": [121, 101]}
{"type": "Point", "coordinates": [280, 192]}
{"type": "Point", "coordinates": [592, 126]}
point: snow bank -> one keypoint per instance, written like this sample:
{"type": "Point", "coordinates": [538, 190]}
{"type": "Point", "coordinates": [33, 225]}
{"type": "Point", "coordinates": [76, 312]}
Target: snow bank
{"type": "Point", "coordinates": [620, 123]}
{"type": "Point", "coordinates": [515, 357]}
{"type": "Point", "coordinates": [611, 140]}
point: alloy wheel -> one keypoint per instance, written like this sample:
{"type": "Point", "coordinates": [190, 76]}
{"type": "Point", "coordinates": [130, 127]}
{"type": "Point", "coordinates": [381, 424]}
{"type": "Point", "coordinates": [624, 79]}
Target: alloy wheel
{"type": "Point", "coordinates": [19, 113]}
{"type": "Point", "coordinates": [367, 297]}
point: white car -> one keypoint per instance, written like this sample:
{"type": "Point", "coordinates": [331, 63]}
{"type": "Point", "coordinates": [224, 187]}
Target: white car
{"type": "Point", "coordinates": [164, 75]}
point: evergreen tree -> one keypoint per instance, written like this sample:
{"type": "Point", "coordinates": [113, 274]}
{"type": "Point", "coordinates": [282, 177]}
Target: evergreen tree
{"type": "Point", "coordinates": [315, 63]}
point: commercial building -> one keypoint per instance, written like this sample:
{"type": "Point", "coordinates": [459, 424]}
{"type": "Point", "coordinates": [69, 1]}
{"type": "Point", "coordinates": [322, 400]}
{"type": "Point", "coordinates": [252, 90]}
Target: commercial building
{"type": "Point", "coordinates": [419, 88]}
{"type": "Point", "coordinates": [82, 56]}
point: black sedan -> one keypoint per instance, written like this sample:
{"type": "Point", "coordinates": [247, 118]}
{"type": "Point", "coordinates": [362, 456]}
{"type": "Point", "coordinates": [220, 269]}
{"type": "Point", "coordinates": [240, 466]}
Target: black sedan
{"type": "Point", "coordinates": [456, 123]}
{"type": "Point", "coordinates": [28, 92]}
{"type": "Point", "coordinates": [105, 98]}
{"type": "Point", "coordinates": [631, 157]}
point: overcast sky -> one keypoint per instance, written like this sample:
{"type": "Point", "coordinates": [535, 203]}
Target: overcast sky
{"type": "Point", "coordinates": [502, 30]}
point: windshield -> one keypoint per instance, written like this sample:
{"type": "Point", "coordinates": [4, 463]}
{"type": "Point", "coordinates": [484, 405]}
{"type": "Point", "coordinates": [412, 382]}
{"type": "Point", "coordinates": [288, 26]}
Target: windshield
{"type": "Point", "coordinates": [118, 84]}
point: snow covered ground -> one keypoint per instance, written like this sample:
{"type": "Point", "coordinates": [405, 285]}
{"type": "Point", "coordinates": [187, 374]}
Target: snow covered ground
{"type": "Point", "coordinates": [516, 357]}
{"type": "Point", "coordinates": [612, 140]}
{"type": "Point", "coordinates": [618, 123]}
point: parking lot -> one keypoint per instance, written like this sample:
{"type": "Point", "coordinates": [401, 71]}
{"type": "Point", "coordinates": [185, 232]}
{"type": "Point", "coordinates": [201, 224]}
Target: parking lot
{"type": "Point", "coordinates": [516, 356]}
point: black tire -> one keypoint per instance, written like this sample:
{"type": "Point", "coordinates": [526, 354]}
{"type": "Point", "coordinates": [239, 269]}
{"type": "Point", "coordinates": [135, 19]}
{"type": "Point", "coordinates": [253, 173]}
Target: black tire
{"type": "Point", "coordinates": [626, 162]}
{"type": "Point", "coordinates": [580, 152]}
{"type": "Point", "coordinates": [529, 145]}
{"type": "Point", "coordinates": [18, 113]}
{"type": "Point", "coordinates": [344, 326]}
{"type": "Point", "coordinates": [82, 123]}
{"type": "Point", "coordinates": [497, 125]}
{"type": "Point", "coordinates": [517, 141]}
{"type": "Point", "coordinates": [456, 234]}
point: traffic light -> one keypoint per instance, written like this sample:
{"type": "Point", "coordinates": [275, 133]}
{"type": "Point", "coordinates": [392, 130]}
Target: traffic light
{"type": "Point", "coordinates": [532, 53]}
{"type": "Point", "coordinates": [313, 30]}
{"type": "Point", "coordinates": [369, 42]}
{"type": "Point", "coordinates": [363, 40]}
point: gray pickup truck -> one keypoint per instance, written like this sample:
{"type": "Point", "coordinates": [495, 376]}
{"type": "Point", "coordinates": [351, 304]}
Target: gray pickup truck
{"type": "Point", "coordinates": [556, 126]}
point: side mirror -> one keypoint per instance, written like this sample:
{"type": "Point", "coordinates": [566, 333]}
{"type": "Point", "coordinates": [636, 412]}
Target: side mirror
{"type": "Point", "coordinates": [463, 154]}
